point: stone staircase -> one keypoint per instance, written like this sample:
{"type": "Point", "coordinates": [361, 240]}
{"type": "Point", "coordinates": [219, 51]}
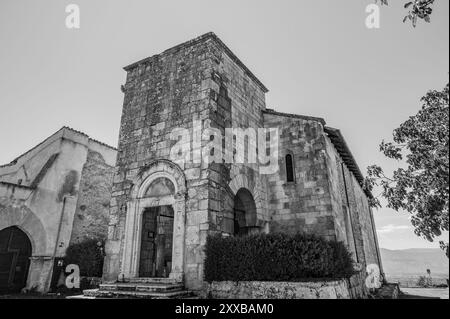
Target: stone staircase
{"type": "Point", "coordinates": [142, 288]}
{"type": "Point", "coordinates": [387, 291]}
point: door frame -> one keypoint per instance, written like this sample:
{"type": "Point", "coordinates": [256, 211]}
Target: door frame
{"type": "Point", "coordinates": [133, 227]}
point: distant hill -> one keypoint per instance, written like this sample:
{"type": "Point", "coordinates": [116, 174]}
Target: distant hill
{"type": "Point", "coordinates": [414, 261]}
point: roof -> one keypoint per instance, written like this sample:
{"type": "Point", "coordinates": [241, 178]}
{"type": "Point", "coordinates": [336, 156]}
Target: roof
{"type": "Point", "coordinates": [90, 138]}
{"type": "Point", "coordinates": [203, 38]}
{"type": "Point", "coordinates": [14, 161]}
{"type": "Point", "coordinates": [341, 146]}
{"type": "Point", "coordinates": [303, 117]}
{"type": "Point", "coordinates": [17, 185]}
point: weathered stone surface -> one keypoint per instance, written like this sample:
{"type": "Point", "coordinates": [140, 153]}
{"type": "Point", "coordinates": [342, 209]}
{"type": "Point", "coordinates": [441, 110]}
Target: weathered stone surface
{"type": "Point", "coordinates": [303, 205]}
{"type": "Point", "coordinates": [57, 193]}
{"type": "Point", "coordinates": [202, 81]}
{"type": "Point", "coordinates": [352, 288]}
{"type": "Point", "coordinates": [92, 213]}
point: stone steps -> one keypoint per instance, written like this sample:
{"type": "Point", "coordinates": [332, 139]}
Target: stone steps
{"type": "Point", "coordinates": [98, 293]}
{"type": "Point", "coordinates": [388, 291]}
{"type": "Point", "coordinates": [144, 280]}
{"type": "Point", "coordinates": [80, 297]}
{"type": "Point", "coordinates": [142, 288]}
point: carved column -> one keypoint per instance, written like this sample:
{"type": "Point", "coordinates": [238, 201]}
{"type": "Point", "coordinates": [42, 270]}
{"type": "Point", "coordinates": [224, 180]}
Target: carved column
{"type": "Point", "coordinates": [128, 265]}
{"type": "Point", "coordinates": [179, 229]}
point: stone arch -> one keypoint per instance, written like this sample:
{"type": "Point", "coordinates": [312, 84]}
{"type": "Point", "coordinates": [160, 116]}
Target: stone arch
{"type": "Point", "coordinates": [245, 216]}
{"type": "Point", "coordinates": [139, 202]}
{"type": "Point", "coordinates": [158, 168]}
{"type": "Point", "coordinates": [254, 187]}
{"type": "Point", "coordinates": [17, 214]}
{"type": "Point", "coordinates": [160, 186]}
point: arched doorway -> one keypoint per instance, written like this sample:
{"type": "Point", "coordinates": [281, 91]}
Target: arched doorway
{"type": "Point", "coordinates": [157, 229]}
{"type": "Point", "coordinates": [160, 189]}
{"type": "Point", "coordinates": [15, 253]}
{"type": "Point", "coordinates": [244, 213]}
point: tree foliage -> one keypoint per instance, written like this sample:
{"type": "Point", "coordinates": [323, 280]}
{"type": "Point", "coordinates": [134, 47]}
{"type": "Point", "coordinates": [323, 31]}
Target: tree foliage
{"type": "Point", "coordinates": [88, 255]}
{"type": "Point", "coordinates": [422, 187]}
{"type": "Point", "coordinates": [418, 9]}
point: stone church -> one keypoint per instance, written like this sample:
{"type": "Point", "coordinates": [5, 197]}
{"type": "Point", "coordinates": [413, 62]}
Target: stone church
{"type": "Point", "coordinates": [162, 209]}
{"type": "Point", "coordinates": [158, 196]}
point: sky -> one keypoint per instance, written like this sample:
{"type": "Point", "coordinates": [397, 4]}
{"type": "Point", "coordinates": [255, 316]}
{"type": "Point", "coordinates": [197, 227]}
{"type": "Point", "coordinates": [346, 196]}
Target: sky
{"type": "Point", "coordinates": [317, 58]}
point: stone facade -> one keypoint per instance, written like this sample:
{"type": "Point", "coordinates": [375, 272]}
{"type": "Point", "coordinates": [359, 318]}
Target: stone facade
{"type": "Point", "coordinates": [56, 194]}
{"type": "Point", "coordinates": [201, 83]}
{"type": "Point", "coordinates": [303, 205]}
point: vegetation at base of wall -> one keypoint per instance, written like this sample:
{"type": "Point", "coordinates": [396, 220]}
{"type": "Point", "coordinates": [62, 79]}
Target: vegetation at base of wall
{"type": "Point", "coordinates": [275, 257]}
{"type": "Point", "coordinates": [422, 282]}
{"type": "Point", "coordinates": [88, 255]}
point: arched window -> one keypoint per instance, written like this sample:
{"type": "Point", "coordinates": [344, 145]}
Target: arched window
{"type": "Point", "coordinates": [289, 168]}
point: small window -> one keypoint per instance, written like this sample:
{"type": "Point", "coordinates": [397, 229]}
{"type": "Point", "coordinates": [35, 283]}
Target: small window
{"type": "Point", "coordinates": [289, 168]}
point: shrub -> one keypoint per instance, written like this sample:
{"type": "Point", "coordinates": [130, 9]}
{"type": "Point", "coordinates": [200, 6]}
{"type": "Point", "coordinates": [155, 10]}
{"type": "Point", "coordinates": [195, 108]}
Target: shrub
{"type": "Point", "coordinates": [421, 282]}
{"type": "Point", "coordinates": [275, 257]}
{"type": "Point", "coordinates": [88, 256]}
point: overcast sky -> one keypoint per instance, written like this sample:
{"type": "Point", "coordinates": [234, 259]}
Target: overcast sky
{"type": "Point", "coordinates": [316, 57]}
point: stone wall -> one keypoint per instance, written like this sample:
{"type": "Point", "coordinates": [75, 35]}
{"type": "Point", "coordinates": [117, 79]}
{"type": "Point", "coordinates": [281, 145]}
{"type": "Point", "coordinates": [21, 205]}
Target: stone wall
{"type": "Point", "coordinates": [94, 195]}
{"type": "Point", "coordinates": [245, 99]}
{"type": "Point", "coordinates": [305, 204]}
{"type": "Point", "coordinates": [353, 215]}
{"type": "Point", "coordinates": [164, 93]}
{"type": "Point", "coordinates": [352, 288]}
{"type": "Point", "coordinates": [197, 81]}
{"type": "Point", "coordinates": [347, 225]}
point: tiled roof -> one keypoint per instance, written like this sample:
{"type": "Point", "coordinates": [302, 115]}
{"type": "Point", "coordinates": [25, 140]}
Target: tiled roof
{"type": "Point", "coordinates": [344, 151]}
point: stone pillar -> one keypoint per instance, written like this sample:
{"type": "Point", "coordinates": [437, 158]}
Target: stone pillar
{"type": "Point", "coordinates": [39, 274]}
{"type": "Point", "coordinates": [129, 265]}
{"type": "Point", "coordinates": [179, 229]}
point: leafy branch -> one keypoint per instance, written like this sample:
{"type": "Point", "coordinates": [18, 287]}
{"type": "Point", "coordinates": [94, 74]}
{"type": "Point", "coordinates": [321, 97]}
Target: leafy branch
{"type": "Point", "coordinates": [418, 9]}
{"type": "Point", "coordinates": [422, 188]}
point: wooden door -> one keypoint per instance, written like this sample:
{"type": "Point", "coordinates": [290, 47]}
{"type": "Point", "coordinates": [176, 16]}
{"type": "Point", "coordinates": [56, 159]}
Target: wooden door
{"type": "Point", "coordinates": [15, 253]}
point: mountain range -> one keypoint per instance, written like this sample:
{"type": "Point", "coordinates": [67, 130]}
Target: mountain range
{"type": "Point", "coordinates": [414, 261]}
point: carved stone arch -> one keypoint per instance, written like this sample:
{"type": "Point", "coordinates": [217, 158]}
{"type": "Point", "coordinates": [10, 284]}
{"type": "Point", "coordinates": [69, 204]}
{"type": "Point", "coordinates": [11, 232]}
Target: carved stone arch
{"type": "Point", "coordinates": [139, 202]}
{"type": "Point", "coordinates": [19, 215]}
{"type": "Point", "coordinates": [241, 181]}
{"type": "Point", "coordinates": [158, 168]}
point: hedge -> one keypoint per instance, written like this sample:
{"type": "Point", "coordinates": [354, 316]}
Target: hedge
{"type": "Point", "coordinates": [88, 256]}
{"type": "Point", "coordinates": [275, 257]}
